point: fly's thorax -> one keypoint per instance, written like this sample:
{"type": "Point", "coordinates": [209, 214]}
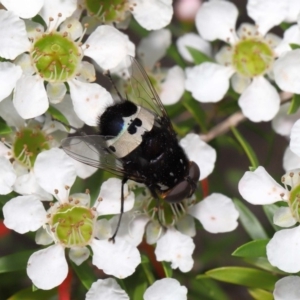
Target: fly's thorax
{"type": "Point", "coordinates": [125, 124]}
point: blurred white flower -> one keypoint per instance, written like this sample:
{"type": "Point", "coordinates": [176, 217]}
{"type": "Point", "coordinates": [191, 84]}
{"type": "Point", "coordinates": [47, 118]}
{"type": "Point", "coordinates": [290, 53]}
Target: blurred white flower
{"type": "Point", "coordinates": [246, 61]}
{"type": "Point", "coordinates": [166, 289]}
{"type": "Point", "coordinates": [152, 15]}
{"type": "Point", "coordinates": [287, 288]}
{"type": "Point", "coordinates": [71, 223]}
{"type": "Point", "coordinates": [55, 56]}
{"type": "Point", "coordinates": [169, 83]}
{"type": "Point", "coordinates": [259, 187]}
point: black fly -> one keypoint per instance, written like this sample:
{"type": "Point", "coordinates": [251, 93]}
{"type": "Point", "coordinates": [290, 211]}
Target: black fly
{"type": "Point", "coordinates": [136, 141]}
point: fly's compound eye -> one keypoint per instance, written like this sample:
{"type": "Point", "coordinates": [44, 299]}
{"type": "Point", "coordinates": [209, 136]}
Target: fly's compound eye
{"type": "Point", "coordinates": [178, 192]}
{"type": "Point", "coordinates": [194, 172]}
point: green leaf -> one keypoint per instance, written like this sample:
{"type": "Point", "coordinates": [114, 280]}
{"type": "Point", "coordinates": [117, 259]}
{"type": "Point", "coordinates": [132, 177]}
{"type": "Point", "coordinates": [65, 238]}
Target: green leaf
{"type": "Point", "coordinates": [244, 276]}
{"type": "Point", "coordinates": [168, 270]}
{"type": "Point", "coordinates": [14, 262]}
{"type": "Point", "coordinates": [56, 114]}
{"type": "Point", "coordinates": [270, 211]}
{"type": "Point", "coordinates": [206, 288]}
{"type": "Point", "coordinates": [294, 46]}
{"type": "Point", "coordinates": [252, 249]}
{"type": "Point", "coordinates": [85, 274]}
{"type": "Point", "coordinates": [4, 128]}
{"type": "Point", "coordinates": [250, 223]}
{"type": "Point", "coordinates": [198, 56]}
{"type": "Point", "coordinates": [247, 148]}
{"type": "Point", "coordinates": [295, 104]}
{"type": "Point", "coordinates": [263, 263]}
{"type": "Point", "coordinates": [28, 294]}
{"type": "Point", "coordinates": [259, 294]}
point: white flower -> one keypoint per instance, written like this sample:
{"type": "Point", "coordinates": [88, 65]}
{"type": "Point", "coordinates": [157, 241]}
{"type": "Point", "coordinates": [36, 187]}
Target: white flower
{"type": "Point", "coordinates": [70, 223]}
{"type": "Point", "coordinates": [216, 213]}
{"type": "Point", "coordinates": [169, 83]}
{"type": "Point", "coordinates": [152, 15]}
{"type": "Point", "coordinates": [287, 288]}
{"type": "Point", "coordinates": [55, 56]}
{"type": "Point", "coordinates": [164, 289]}
{"type": "Point", "coordinates": [246, 61]}
{"type": "Point", "coordinates": [259, 187]}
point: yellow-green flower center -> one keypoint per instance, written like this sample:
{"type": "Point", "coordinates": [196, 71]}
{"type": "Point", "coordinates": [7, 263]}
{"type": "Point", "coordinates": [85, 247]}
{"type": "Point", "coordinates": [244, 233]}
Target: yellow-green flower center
{"type": "Point", "coordinates": [28, 144]}
{"type": "Point", "coordinates": [107, 10]}
{"type": "Point", "coordinates": [252, 57]}
{"type": "Point", "coordinates": [294, 202]}
{"type": "Point", "coordinates": [73, 225]}
{"type": "Point", "coordinates": [56, 57]}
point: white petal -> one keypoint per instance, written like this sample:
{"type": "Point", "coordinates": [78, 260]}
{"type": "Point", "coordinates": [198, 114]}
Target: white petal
{"type": "Point", "coordinates": [132, 227]}
{"type": "Point", "coordinates": [103, 229]}
{"type": "Point", "coordinates": [110, 194]}
{"type": "Point", "coordinates": [153, 15]}
{"type": "Point", "coordinates": [239, 83]}
{"type": "Point", "coordinates": [295, 138]}
{"type": "Point", "coordinates": [87, 72]}
{"type": "Point", "coordinates": [52, 9]}
{"type": "Point", "coordinates": [199, 152]}
{"type": "Point", "coordinates": [42, 237]}
{"type": "Point", "coordinates": [267, 13]}
{"type": "Point", "coordinates": [13, 35]}
{"type": "Point", "coordinates": [107, 289]}
{"type": "Point", "coordinates": [30, 97]}
{"type": "Point", "coordinates": [166, 289]}
{"type": "Point", "coordinates": [224, 56]}
{"type": "Point", "coordinates": [283, 217]}
{"type": "Point", "coordinates": [90, 100]}
{"type": "Point", "coordinates": [247, 30]}
{"type": "Point", "coordinates": [107, 46]}
{"type": "Point", "coordinates": [48, 268]}
{"type": "Point", "coordinates": [216, 20]}
{"type": "Point", "coordinates": [7, 176]}
{"type": "Point", "coordinates": [23, 9]}
{"type": "Point", "coordinates": [154, 47]}
{"type": "Point", "coordinates": [118, 259]}
{"type": "Point", "coordinates": [216, 213]}
{"type": "Point", "coordinates": [260, 101]}
{"type": "Point", "coordinates": [82, 170]}
{"type": "Point", "coordinates": [66, 108]}
{"type": "Point", "coordinates": [9, 74]}
{"type": "Point", "coordinates": [283, 123]}
{"type": "Point", "coordinates": [54, 170]}
{"type": "Point", "coordinates": [56, 91]}
{"type": "Point", "coordinates": [283, 250]}
{"type": "Point", "coordinates": [195, 41]}
{"type": "Point", "coordinates": [34, 30]}
{"type": "Point", "coordinates": [26, 184]}
{"type": "Point", "coordinates": [286, 71]}
{"type": "Point", "coordinates": [186, 225]}
{"type": "Point", "coordinates": [153, 232]}
{"type": "Point", "coordinates": [79, 254]}
{"type": "Point", "coordinates": [73, 27]}
{"type": "Point", "coordinates": [24, 61]}
{"type": "Point", "coordinates": [287, 288]}
{"type": "Point", "coordinates": [208, 82]}
{"type": "Point", "coordinates": [290, 160]}
{"type": "Point", "coordinates": [9, 114]}
{"type": "Point", "coordinates": [24, 213]}
{"type": "Point", "coordinates": [259, 187]}
{"type": "Point", "coordinates": [173, 86]}
{"type": "Point", "coordinates": [176, 248]}
{"type": "Point", "coordinates": [290, 36]}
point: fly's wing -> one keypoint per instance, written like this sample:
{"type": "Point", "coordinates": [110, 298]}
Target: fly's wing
{"type": "Point", "coordinates": [91, 150]}
{"type": "Point", "coordinates": [142, 92]}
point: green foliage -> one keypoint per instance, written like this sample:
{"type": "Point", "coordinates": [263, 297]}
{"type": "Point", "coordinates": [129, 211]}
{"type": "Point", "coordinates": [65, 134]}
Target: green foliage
{"type": "Point", "coordinates": [198, 56]}
{"type": "Point", "coordinates": [295, 104]}
{"type": "Point", "coordinates": [255, 248]}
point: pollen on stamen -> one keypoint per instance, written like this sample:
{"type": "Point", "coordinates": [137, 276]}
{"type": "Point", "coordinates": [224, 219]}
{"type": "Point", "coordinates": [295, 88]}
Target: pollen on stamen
{"type": "Point", "coordinates": [56, 191]}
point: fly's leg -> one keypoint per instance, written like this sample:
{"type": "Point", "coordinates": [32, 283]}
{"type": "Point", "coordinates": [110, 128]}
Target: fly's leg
{"type": "Point", "coordinates": [112, 238]}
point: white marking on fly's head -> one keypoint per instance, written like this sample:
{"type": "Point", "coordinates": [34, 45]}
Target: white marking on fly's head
{"type": "Point", "coordinates": [181, 161]}
{"type": "Point", "coordinates": [162, 186]}
{"type": "Point", "coordinates": [171, 174]}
